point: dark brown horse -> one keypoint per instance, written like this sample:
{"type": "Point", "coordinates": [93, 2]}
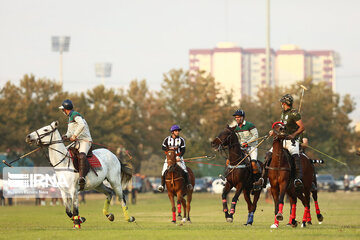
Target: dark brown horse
{"type": "Point", "coordinates": [175, 184]}
{"type": "Point", "coordinates": [238, 174]}
{"type": "Point", "coordinates": [282, 181]}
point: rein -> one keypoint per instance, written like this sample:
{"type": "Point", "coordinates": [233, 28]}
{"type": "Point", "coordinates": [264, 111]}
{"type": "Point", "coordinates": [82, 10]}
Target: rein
{"type": "Point", "coordinates": [48, 144]}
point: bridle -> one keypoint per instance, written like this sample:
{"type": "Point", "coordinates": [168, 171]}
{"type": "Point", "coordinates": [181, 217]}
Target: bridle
{"type": "Point", "coordinates": [222, 147]}
{"type": "Point", "coordinates": [51, 142]}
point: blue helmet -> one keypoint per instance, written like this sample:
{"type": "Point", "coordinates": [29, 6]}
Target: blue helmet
{"type": "Point", "coordinates": [67, 104]}
{"type": "Point", "coordinates": [174, 128]}
{"type": "Point", "coordinates": [239, 112]}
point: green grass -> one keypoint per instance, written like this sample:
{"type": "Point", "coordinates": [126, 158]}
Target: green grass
{"type": "Point", "coordinates": [152, 211]}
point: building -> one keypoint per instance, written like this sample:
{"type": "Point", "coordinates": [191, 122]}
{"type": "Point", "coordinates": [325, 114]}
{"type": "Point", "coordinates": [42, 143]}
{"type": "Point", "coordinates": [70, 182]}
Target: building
{"type": "Point", "coordinates": [243, 70]}
{"type": "Point", "coordinates": [294, 64]}
{"type": "Point", "coordinates": [239, 70]}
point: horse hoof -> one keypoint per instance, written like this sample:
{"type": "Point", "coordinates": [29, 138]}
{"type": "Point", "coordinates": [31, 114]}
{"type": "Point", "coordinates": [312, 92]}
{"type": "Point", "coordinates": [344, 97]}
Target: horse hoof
{"type": "Point", "coordinates": [320, 222]}
{"type": "Point", "coordinates": [82, 219]}
{"type": "Point", "coordinates": [76, 226]}
{"type": "Point", "coordinates": [173, 221]}
{"type": "Point", "coordinates": [179, 217]}
{"type": "Point", "coordinates": [274, 226]}
{"type": "Point", "coordinates": [320, 217]}
{"type": "Point", "coordinates": [309, 222]}
{"type": "Point", "coordinates": [279, 217]}
{"type": "Point", "coordinates": [131, 219]}
{"type": "Point", "coordinates": [183, 220]}
{"type": "Point", "coordinates": [229, 220]}
{"type": "Point", "coordinates": [188, 220]}
{"type": "Point", "coordinates": [110, 216]}
{"type": "Point", "coordinates": [303, 224]}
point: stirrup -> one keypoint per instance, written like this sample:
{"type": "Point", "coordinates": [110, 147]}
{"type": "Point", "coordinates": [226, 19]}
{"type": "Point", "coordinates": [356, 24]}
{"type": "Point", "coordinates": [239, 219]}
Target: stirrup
{"type": "Point", "coordinates": [161, 188]}
{"type": "Point", "coordinates": [298, 183]}
{"type": "Point", "coordinates": [259, 182]}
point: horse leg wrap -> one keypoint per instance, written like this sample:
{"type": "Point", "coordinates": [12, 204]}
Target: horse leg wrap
{"type": "Point", "coordinates": [317, 207]}
{"type": "Point", "coordinates": [106, 207]}
{"type": "Point", "coordinates": [77, 222]}
{"type": "Point", "coordinates": [250, 218]}
{"type": "Point", "coordinates": [225, 208]}
{"type": "Point", "coordinates": [232, 209]}
{"type": "Point", "coordinates": [126, 214]}
{"type": "Point", "coordinates": [281, 206]}
{"type": "Point", "coordinates": [179, 208]}
{"type": "Point", "coordinates": [293, 212]}
{"type": "Point", "coordinates": [174, 217]}
{"type": "Point", "coordinates": [276, 222]}
{"type": "Point", "coordinates": [305, 214]}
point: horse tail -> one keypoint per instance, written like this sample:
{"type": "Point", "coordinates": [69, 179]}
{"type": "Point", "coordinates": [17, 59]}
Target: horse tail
{"type": "Point", "coordinates": [126, 172]}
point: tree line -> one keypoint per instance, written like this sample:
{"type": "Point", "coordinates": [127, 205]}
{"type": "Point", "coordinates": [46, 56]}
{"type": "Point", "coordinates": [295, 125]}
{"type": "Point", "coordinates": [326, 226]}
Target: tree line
{"type": "Point", "coordinates": [138, 119]}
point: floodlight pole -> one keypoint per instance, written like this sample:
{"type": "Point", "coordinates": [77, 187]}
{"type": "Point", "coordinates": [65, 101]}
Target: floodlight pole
{"type": "Point", "coordinates": [60, 44]}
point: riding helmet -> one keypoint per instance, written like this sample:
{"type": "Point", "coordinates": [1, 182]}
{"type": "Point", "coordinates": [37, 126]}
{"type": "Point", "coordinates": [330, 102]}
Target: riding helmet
{"type": "Point", "coordinates": [174, 128]}
{"type": "Point", "coordinates": [67, 104]}
{"type": "Point", "coordinates": [288, 99]}
{"type": "Point", "coordinates": [239, 112]}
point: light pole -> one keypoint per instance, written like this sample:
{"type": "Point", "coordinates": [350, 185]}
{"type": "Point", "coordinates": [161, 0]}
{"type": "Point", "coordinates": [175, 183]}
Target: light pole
{"type": "Point", "coordinates": [267, 51]}
{"type": "Point", "coordinates": [60, 44]}
{"type": "Point", "coordinates": [103, 70]}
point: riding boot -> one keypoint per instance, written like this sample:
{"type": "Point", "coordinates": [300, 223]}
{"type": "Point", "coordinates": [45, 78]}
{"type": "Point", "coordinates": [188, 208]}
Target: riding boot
{"type": "Point", "coordinates": [262, 181]}
{"type": "Point", "coordinates": [299, 174]}
{"type": "Point", "coordinates": [82, 162]}
{"type": "Point", "coordinates": [187, 181]}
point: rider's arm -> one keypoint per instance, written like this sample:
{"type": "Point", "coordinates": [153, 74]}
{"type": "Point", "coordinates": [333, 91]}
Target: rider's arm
{"type": "Point", "coordinates": [80, 127]}
{"type": "Point", "coordinates": [164, 145]}
{"type": "Point", "coordinates": [182, 147]}
{"type": "Point", "coordinates": [254, 134]}
{"type": "Point", "coordinates": [300, 129]}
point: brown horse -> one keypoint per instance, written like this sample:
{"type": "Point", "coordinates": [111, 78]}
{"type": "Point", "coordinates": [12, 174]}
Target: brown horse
{"type": "Point", "coordinates": [238, 174]}
{"type": "Point", "coordinates": [282, 181]}
{"type": "Point", "coordinates": [175, 184]}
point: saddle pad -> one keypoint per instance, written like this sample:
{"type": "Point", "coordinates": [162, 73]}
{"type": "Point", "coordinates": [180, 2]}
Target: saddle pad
{"type": "Point", "coordinates": [94, 161]}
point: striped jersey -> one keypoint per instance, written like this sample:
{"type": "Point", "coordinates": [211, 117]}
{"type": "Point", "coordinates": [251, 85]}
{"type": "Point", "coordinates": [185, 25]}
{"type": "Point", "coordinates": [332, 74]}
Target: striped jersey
{"type": "Point", "coordinates": [178, 142]}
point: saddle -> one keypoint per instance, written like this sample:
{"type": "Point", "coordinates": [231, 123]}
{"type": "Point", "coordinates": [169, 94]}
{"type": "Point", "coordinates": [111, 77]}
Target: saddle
{"type": "Point", "coordinates": [91, 160]}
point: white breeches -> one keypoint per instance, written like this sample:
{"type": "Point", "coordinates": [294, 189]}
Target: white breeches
{"type": "Point", "coordinates": [293, 148]}
{"type": "Point", "coordinates": [181, 164]}
{"type": "Point", "coordinates": [83, 146]}
{"type": "Point", "coordinates": [254, 153]}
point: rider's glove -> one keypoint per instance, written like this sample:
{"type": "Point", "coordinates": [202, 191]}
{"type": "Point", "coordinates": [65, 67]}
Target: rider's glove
{"type": "Point", "coordinates": [73, 138]}
{"type": "Point", "coordinates": [64, 138]}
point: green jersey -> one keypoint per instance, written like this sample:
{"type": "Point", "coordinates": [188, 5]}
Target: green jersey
{"type": "Point", "coordinates": [247, 133]}
{"type": "Point", "coordinates": [289, 118]}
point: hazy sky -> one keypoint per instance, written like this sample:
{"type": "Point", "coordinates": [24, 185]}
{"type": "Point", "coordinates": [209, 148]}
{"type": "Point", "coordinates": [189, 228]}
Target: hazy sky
{"type": "Point", "coordinates": [145, 38]}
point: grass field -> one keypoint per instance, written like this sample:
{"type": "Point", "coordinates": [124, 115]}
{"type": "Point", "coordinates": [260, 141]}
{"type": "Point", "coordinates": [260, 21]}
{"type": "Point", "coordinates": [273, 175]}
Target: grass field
{"type": "Point", "coordinates": [152, 211]}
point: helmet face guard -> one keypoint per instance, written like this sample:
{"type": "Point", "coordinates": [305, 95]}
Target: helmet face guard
{"type": "Point", "coordinates": [175, 128]}
{"type": "Point", "coordinates": [239, 112]}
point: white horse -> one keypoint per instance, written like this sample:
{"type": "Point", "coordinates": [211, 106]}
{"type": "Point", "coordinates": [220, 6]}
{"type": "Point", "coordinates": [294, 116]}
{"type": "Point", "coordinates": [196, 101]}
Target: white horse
{"type": "Point", "coordinates": [112, 170]}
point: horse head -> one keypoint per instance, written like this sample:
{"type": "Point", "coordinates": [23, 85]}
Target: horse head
{"type": "Point", "coordinates": [279, 130]}
{"type": "Point", "coordinates": [44, 136]}
{"type": "Point", "coordinates": [171, 158]}
{"type": "Point", "coordinates": [226, 138]}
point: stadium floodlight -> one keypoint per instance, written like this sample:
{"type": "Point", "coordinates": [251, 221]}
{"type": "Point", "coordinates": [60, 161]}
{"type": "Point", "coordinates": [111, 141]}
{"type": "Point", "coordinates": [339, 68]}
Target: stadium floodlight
{"type": "Point", "coordinates": [60, 44]}
{"type": "Point", "coordinates": [103, 70]}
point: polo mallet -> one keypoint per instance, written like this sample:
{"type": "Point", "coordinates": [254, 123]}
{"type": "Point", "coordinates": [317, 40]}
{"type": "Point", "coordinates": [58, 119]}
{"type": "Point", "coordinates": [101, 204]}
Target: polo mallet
{"type": "Point", "coordinates": [201, 157]}
{"type": "Point", "coordinates": [302, 95]}
{"type": "Point", "coordinates": [9, 164]}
